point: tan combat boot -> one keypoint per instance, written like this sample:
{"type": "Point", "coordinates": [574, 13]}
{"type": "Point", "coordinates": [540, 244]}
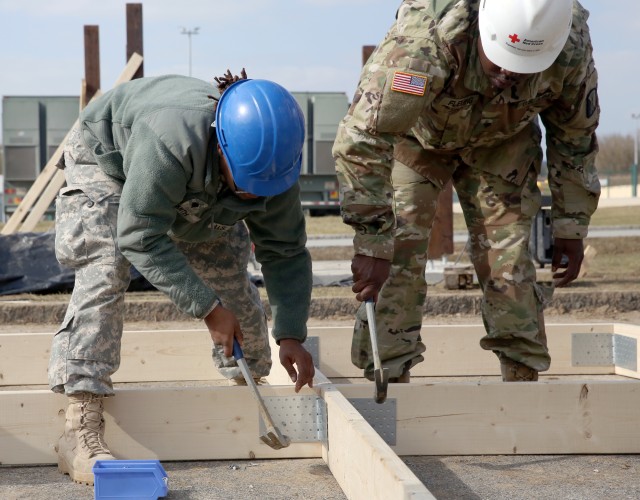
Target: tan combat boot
{"type": "Point", "coordinates": [82, 442]}
{"type": "Point", "coordinates": [512, 371]}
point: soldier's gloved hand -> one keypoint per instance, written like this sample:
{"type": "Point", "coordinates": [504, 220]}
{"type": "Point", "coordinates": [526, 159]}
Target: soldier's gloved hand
{"type": "Point", "coordinates": [574, 250]}
{"type": "Point", "coordinates": [223, 326]}
{"type": "Point", "coordinates": [292, 353]}
{"type": "Point", "coordinates": [369, 274]}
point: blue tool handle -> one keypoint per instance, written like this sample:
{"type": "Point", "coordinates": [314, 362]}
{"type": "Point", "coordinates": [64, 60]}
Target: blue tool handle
{"type": "Point", "coordinates": [237, 350]}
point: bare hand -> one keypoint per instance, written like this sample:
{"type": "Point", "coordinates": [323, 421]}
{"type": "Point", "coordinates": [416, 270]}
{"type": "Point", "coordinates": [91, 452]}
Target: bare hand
{"type": "Point", "coordinates": [574, 250]}
{"type": "Point", "coordinates": [369, 274]}
{"type": "Point", "coordinates": [223, 326]}
{"type": "Point", "coordinates": [292, 352]}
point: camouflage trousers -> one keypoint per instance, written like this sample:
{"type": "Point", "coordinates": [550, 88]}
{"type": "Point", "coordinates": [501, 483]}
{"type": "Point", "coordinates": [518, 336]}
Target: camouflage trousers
{"type": "Point", "coordinates": [86, 349]}
{"type": "Point", "coordinates": [499, 217]}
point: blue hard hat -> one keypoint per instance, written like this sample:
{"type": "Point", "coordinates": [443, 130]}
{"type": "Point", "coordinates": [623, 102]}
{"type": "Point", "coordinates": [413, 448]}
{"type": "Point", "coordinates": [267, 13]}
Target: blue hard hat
{"type": "Point", "coordinates": [260, 128]}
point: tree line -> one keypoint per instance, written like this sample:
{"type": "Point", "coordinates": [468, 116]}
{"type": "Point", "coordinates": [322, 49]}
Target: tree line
{"type": "Point", "coordinates": [616, 154]}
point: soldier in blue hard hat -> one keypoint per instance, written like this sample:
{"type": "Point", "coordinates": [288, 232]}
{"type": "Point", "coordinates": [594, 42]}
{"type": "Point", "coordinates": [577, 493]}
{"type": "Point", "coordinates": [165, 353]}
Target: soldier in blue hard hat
{"type": "Point", "coordinates": [163, 175]}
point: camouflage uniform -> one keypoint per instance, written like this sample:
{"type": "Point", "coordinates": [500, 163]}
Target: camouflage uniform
{"type": "Point", "coordinates": [86, 348]}
{"type": "Point", "coordinates": [144, 188]}
{"type": "Point", "coordinates": [424, 113]}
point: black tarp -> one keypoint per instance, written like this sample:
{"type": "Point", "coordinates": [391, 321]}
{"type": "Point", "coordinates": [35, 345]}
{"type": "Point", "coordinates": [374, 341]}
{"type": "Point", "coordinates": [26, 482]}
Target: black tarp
{"type": "Point", "coordinates": [28, 265]}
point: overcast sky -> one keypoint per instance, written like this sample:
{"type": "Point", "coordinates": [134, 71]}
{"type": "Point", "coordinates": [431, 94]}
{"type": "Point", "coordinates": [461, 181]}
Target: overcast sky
{"type": "Point", "coordinates": [306, 45]}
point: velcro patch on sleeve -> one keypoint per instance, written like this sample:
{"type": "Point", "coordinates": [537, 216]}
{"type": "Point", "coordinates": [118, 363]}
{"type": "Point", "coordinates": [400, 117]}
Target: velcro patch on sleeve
{"type": "Point", "coordinates": [409, 83]}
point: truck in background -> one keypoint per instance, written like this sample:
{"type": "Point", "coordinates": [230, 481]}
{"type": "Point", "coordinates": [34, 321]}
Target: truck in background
{"type": "Point", "coordinates": [318, 184]}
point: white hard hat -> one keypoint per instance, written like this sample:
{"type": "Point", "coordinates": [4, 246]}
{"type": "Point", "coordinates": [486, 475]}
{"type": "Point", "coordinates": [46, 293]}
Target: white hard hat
{"type": "Point", "coordinates": [524, 36]}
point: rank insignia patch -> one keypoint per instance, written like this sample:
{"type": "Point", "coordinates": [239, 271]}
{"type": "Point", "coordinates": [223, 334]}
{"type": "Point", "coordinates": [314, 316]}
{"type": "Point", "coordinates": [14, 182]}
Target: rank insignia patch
{"type": "Point", "coordinates": [408, 83]}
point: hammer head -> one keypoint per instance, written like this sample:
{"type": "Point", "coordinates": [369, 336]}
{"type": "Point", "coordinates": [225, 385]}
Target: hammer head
{"type": "Point", "coordinates": [381, 377]}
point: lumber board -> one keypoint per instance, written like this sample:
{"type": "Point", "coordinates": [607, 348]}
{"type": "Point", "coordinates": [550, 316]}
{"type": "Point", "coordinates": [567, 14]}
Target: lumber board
{"type": "Point", "coordinates": [46, 186]}
{"type": "Point", "coordinates": [449, 418]}
{"type": "Point", "coordinates": [146, 356]}
{"type": "Point", "coordinates": [364, 466]}
{"type": "Point", "coordinates": [494, 418]}
{"type": "Point", "coordinates": [176, 423]}
{"type": "Point", "coordinates": [173, 355]}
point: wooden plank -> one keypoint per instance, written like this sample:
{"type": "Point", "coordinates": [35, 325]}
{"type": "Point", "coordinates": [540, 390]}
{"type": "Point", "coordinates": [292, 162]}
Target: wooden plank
{"type": "Point", "coordinates": [454, 350]}
{"type": "Point", "coordinates": [32, 199]}
{"type": "Point", "coordinates": [463, 418]}
{"type": "Point", "coordinates": [44, 202]}
{"type": "Point", "coordinates": [494, 418]}
{"type": "Point", "coordinates": [180, 423]}
{"type": "Point", "coordinates": [363, 464]}
{"type": "Point", "coordinates": [167, 355]}
{"type": "Point", "coordinates": [147, 356]}
{"type": "Point", "coordinates": [21, 211]}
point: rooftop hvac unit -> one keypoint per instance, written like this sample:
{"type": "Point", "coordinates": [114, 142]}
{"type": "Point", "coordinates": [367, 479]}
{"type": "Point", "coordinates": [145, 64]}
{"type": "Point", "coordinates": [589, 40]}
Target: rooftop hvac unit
{"type": "Point", "coordinates": [328, 110]}
{"type": "Point", "coordinates": [23, 133]}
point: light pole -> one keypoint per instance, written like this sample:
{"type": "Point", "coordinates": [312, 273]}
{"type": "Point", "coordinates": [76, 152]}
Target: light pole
{"type": "Point", "coordinates": [187, 32]}
{"type": "Point", "coordinates": [634, 167]}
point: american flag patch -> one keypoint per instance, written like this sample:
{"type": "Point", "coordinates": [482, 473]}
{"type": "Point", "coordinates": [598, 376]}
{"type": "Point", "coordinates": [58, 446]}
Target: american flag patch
{"type": "Point", "coordinates": [408, 83]}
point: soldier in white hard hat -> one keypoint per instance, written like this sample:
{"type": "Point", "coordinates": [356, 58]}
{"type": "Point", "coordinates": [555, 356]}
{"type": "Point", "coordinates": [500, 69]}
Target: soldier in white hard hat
{"type": "Point", "coordinates": [455, 92]}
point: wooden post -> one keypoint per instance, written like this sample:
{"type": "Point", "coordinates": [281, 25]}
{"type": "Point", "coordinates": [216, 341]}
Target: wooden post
{"type": "Point", "coordinates": [134, 34]}
{"type": "Point", "coordinates": [367, 50]}
{"type": "Point", "coordinates": [91, 61]}
{"type": "Point", "coordinates": [441, 239]}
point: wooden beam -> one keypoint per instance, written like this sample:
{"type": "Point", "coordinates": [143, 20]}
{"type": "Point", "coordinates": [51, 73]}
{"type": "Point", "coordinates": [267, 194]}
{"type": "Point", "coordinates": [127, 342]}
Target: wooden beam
{"type": "Point", "coordinates": [91, 60]}
{"type": "Point", "coordinates": [567, 416]}
{"type": "Point", "coordinates": [178, 423]}
{"type": "Point", "coordinates": [167, 355]}
{"type": "Point", "coordinates": [448, 418]}
{"type": "Point", "coordinates": [362, 463]}
{"type": "Point", "coordinates": [134, 35]}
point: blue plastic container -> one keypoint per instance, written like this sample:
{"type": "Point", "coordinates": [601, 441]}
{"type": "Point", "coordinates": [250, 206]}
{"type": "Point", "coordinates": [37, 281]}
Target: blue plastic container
{"type": "Point", "coordinates": [139, 479]}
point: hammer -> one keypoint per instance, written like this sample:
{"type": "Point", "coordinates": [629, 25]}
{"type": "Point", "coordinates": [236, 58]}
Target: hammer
{"type": "Point", "coordinates": [381, 375]}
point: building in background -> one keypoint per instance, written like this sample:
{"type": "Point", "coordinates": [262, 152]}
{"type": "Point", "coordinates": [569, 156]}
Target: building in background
{"type": "Point", "coordinates": [34, 126]}
{"type": "Point", "coordinates": [32, 129]}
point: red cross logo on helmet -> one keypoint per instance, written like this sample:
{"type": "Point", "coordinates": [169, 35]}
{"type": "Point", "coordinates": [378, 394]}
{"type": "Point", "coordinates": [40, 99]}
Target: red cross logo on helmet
{"type": "Point", "coordinates": [514, 38]}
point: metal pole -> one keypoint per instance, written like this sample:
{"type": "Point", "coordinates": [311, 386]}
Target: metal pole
{"type": "Point", "coordinates": [187, 32]}
{"type": "Point", "coordinates": [634, 167]}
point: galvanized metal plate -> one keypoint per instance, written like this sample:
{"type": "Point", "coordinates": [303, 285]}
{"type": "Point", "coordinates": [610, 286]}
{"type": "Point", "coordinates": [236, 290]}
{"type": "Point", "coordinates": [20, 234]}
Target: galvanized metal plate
{"type": "Point", "coordinates": [302, 419]}
{"type": "Point", "coordinates": [591, 349]}
{"type": "Point", "coordinates": [625, 352]}
{"type": "Point", "coordinates": [312, 344]}
{"type": "Point", "coordinates": [382, 417]}
{"type": "Point", "coordinates": [603, 349]}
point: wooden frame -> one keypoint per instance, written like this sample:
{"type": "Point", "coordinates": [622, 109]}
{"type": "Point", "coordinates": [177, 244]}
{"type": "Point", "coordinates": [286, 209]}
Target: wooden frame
{"type": "Point", "coordinates": [455, 405]}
